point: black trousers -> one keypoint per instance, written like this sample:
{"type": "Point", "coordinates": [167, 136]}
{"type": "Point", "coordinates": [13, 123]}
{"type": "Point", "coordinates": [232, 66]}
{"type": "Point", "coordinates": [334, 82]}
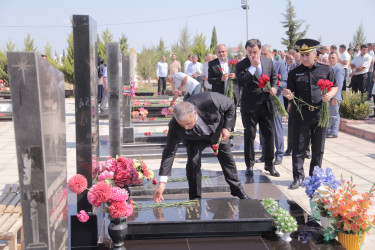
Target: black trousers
{"type": "Point", "coordinates": [293, 111]}
{"type": "Point", "coordinates": [303, 131]}
{"type": "Point", "coordinates": [359, 82]}
{"type": "Point", "coordinates": [162, 85]}
{"type": "Point", "coordinates": [344, 84]}
{"type": "Point", "coordinates": [193, 167]}
{"type": "Point", "coordinates": [250, 121]}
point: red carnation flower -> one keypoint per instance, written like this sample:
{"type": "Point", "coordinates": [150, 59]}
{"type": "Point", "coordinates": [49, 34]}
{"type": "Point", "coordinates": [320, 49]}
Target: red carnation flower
{"type": "Point", "coordinates": [154, 181]}
{"type": "Point", "coordinates": [221, 69]}
{"type": "Point", "coordinates": [77, 184]}
{"type": "Point", "coordinates": [216, 153]}
{"type": "Point", "coordinates": [278, 83]}
{"type": "Point", "coordinates": [100, 192]}
{"type": "Point", "coordinates": [215, 147]}
{"type": "Point", "coordinates": [117, 209]}
{"type": "Point", "coordinates": [278, 76]}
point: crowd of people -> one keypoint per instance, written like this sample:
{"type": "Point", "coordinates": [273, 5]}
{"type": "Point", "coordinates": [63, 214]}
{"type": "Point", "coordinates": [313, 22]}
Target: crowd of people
{"type": "Point", "coordinates": [207, 118]}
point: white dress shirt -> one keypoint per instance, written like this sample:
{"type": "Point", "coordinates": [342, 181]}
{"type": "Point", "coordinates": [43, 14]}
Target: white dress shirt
{"type": "Point", "coordinates": [225, 70]}
{"type": "Point", "coordinates": [193, 68]}
{"type": "Point", "coordinates": [207, 85]}
{"type": "Point", "coordinates": [364, 61]}
{"type": "Point", "coordinates": [190, 84]}
{"type": "Point", "coordinates": [186, 65]}
{"type": "Point", "coordinates": [344, 57]}
{"type": "Point", "coordinates": [162, 69]}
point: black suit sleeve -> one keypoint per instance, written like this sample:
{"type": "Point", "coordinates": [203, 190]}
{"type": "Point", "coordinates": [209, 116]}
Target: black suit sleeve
{"type": "Point", "coordinates": [169, 152]}
{"type": "Point", "coordinates": [242, 73]}
{"type": "Point", "coordinates": [214, 78]}
{"type": "Point", "coordinates": [225, 106]}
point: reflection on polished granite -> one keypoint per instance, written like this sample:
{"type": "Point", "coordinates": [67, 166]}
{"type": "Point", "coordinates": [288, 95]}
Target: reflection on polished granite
{"type": "Point", "coordinates": [308, 235]}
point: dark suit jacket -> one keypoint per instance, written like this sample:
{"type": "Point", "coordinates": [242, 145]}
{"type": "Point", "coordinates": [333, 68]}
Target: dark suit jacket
{"type": "Point", "coordinates": [251, 98]}
{"type": "Point", "coordinates": [214, 78]}
{"type": "Point", "coordinates": [216, 110]}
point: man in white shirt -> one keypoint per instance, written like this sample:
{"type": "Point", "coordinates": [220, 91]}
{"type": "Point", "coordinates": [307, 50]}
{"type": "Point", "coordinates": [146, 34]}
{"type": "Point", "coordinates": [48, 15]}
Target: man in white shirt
{"type": "Point", "coordinates": [187, 63]}
{"type": "Point", "coordinates": [343, 61]}
{"type": "Point", "coordinates": [207, 86]}
{"type": "Point", "coordinates": [360, 66]}
{"type": "Point", "coordinates": [195, 69]}
{"type": "Point", "coordinates": [161, 75]}
{"type": "Point", "coordinates": [183, 82]}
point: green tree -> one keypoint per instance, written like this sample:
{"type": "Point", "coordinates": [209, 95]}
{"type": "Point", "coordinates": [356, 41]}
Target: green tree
{"type": "Point", "coordinates": [105, 38]}
{"type": "Point", "coordinates": [185, 41]}
{"type": "Point", "coordinates": [124, 46]}
{"type": "Point", "coordinates": [68, 66]}
{"type": "Point", "coordinates": [10, 46]}
{"type": "Point", "coordinates": [161, 47]}
{"type": "Point", "coordinates": [359, 37]}
{"type": "Point", "coordinates": [4, 67]}
{"type": "Point", "coordinates": [293, 26]}
{"type": "Point", "coordinates": [199, 47]}
{"type": "Point", "coordinates": [29, 43]}
{"type": "Point", "coordinates": [213, 44]}
{"type": "Point", "coordinates": [145, 65]}
{"type": "Point", "coordinates": [47, 50]}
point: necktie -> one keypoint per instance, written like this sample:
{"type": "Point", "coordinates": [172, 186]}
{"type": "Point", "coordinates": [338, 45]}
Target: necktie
{"type": "Point", "coordinates": [198, 129]}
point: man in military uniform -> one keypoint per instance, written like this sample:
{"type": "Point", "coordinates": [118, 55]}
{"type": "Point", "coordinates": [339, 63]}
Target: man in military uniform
{"type": "Point", "coordinates": [302, 83]}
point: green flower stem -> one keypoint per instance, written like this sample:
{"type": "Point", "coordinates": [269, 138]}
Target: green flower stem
{"type": "Point", "coordinates": [147, 206]}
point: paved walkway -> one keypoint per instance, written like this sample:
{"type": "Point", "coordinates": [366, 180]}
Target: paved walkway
{"type": "Point", "coordinates": [348, 155]}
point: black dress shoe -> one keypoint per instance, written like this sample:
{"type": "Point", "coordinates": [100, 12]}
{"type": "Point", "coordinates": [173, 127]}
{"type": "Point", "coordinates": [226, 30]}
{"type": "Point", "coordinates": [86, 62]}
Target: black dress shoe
{"type": "Point", "coordinates": [260, 160]}
{"type": "Point", "coordinates": [249, 171]}
{"type": "Point", "coordinates": [288, 152]}
{"type": "Point", "coordinates": [272, 170]}
{"type": "Point", "coordinates": [240, 194]}
{"type": "Point", "coordinates": [278, 161]}
{"type": "Point", "coordinates": [307, 155]}
{"type": "Point", "coordinates": [295, 184]}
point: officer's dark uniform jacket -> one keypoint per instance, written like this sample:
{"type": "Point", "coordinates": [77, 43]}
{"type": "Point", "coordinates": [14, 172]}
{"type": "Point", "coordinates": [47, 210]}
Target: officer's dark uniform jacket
{"type": "Point", "coordinates": [303, 82]}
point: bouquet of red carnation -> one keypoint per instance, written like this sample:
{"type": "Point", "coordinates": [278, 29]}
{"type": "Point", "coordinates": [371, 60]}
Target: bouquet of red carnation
{"type": "Point", "coordinates": [264, 82]}
{"type": "Point", "coordinates": [215, 147]}
{"type": "Point", "coordinates": [325, 86]}
{"type": "Point", "coordinates": [229, 88]}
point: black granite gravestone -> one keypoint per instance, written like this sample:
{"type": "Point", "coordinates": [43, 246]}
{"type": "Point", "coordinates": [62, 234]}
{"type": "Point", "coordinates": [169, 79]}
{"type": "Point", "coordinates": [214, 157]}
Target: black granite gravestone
{"type": "Point", "coordinates": [115, 91]}
{"type": "Point", "coordinates": [128, 129]}
{"type": "Point", "coordinates": [87, 126]}
{"type": "Point", "coordinates": [205, 217]}
{"type": "Point", "coordinates": [86, 82]}
{"type": "Point", "coordinates": [39, 123]}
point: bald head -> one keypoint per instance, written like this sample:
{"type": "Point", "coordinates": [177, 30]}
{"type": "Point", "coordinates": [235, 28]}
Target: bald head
{"type": "Point", "coordinates": [222, 52]}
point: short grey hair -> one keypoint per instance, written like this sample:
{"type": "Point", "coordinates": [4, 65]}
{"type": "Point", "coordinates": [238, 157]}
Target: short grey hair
{"type": "Point", "coordinates": [334, 53]}
{"type": "Point", "coordinates": [182, 109]}
{"type": "Point", "coordinates": [268, 47]}
{"type": "Point", "coordinates": [194, 56]}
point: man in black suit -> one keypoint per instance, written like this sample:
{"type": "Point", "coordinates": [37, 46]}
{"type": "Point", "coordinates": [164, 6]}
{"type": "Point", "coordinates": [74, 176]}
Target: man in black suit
{"type": "Point", "coordinates": [219, 72]}
{"type": "Point", "coordinates": [256, 105]}
{"type": "Point", "coordinates": [200, 121]}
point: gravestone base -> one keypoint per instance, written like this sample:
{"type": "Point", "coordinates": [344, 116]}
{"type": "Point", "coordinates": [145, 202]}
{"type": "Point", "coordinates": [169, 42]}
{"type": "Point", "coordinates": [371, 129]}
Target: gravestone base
{"type": "Point", "coordinates": [128, 135]}
{"type": "Point", "coordinates": [84, 234]}
{"type": "Point", "coordinates": [207, 217]}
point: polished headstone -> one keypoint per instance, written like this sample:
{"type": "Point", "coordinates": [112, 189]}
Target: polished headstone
{"type": "Point", "coordinates": [205, 217]}
{"type": "Point", "coordinates": [86, 106]}
{"type": "Point", "coordinates": [39, 123]}
{"type": "Point", "coordinates": [114, 73]}
{"type": "Point", "coordinates": [213, 181]}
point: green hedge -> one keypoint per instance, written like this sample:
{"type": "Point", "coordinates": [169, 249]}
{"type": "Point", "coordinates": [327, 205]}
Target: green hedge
{"type": "Point", "coordinates": [354, 106]}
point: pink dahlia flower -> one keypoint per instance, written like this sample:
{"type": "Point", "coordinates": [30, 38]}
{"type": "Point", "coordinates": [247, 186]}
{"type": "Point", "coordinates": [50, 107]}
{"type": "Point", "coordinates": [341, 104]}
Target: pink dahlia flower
{"type": "Point", "coordinates": [77, 184]}
{"type": "Point", "coordinates": [82, 216]}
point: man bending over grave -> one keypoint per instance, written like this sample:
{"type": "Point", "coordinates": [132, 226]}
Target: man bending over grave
{"type": "Point", "coordinates": [203, 120]}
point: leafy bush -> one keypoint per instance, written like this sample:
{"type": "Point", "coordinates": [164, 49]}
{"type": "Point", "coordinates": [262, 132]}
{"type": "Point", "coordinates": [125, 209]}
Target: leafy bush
{"type": "Point", "coordinates": [354, 106]}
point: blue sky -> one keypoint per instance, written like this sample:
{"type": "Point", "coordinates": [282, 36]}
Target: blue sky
{"type": "Point", "coordinates": [145, 22]}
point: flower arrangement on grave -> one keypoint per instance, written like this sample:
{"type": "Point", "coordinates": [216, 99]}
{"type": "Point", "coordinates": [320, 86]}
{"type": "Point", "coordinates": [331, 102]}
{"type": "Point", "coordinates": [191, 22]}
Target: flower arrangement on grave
{"type": "Point", "coordinates": [317, 186]}
{"type": "Point", "coordinates": [143, 171]}
{"type": "Point", "coordinates": [264, 82]}
{"type": "Point", "coordinates": [3, 85]}
{"type": "Point", "coordinates": [284, 222]}
{"type": "Point", "coordinates": [147, 133]}
{"type": "Point", "coordinates": [349, 211]}
{"type": "Point", "coordinates": [165, 102]}
{"type": "Point", "coordinates": [271, 205]}
{"type": "Point", "coordinates": [229, 88]}
{"type": "Point", "coordinates": [135, 114]}
{"type": "Point", "coordinates": [143, 112]}
{"type": "Point", "coordinates": [167, 111]}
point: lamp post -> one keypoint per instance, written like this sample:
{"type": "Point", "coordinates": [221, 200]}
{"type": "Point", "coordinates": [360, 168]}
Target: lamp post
{"type": "Point", "coordinates": [245, 5]}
